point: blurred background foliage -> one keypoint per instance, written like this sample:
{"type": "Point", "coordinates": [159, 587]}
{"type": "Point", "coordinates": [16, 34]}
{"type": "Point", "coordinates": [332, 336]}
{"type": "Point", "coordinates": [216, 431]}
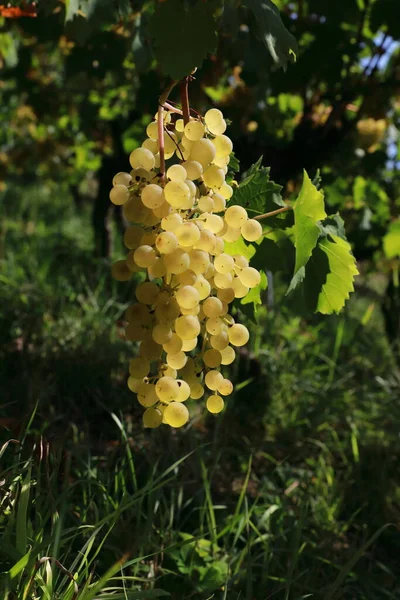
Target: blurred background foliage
{"type": "Point", "coordinates": [317, 405]}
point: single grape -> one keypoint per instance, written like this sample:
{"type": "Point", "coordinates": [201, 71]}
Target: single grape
{"type": "Point", "coordinates": [205, 204]}
{"type": "Point", "coordinates": [194, 130]}
{"type": "Point", "coordinates": [196, 390]}
{"type": "Point", "coordinates": [147, 292]}
{"type": "Point", "coordinates": [213, 177]}
{"type": "Point", "coordinates": [167, 389]}
{"type": "Point", "coordinates": [173, 345]}
{"type": "Point", "coordinates": [161, 333]}
{"type": "Point", "coordinates": [187, 327]}
{"type": "Point", "coordinates": [177, 262]}
{"type": "Point", "coordinates": [144, 256]}
{"type": "Point", "coordinates": [228, 355]}
{"type": "Point", "coordinates": [149, 349]}
{"type": "Point", "coordinates": [152, 130]}
{"type": "Point", "coordinates": [212, 307]}
{"type": "Point", "coordinates": [184, 391]}
{"type": "Point", "coordinates": [250, 277]}
{"type": "Point", "coordinates": [212, 358]}
{"type": "Point", "coordinates": [224, 263]}
{"type": "Point", "coordinates": [199, 261]}
{"type": "Point", "coordinates": [215, 404]}
{"type": "Point", "coordinates": [166, 242]}
{"type": "Point", "coordinates": [147, 394]}
{"type": "Point", "coordinates": [177, 194]}
{"type": "Point", "coordinates": [238, 335]}
{"type": "Point", "coordinates": [157, 269]}
{"type": "Point", "coordinates": [236, 216]}
{"type": "Point", "coordinates": [119, 195]}
{"type": "Point", "coordinates": [225, 387]}
{"type": "Point", "coordinates": [223, 280]}
{"type": "Point", "coordinates": [177, 173]}
{"type": "Point", "coordinates": [177, 361]}
{"type": "Point", "coordinates": [203, 151]}
{"type": "Point", "coordinates": [171, 222]}
{"type": "Point", "coordinates": [203, 287]}
{"type": "Point", "coordinates": [142, 158]}
{"type": "Point", "coordinates": [188, 234]}
{"type": "Point", "coordinates": [213, 379]}
{"type": "Point", "coordinates": [240, 290]}
{"type": "Point", "coordinates": [223, 146]}
{"type": "Point", "coordinates": [152, 418]}
{"type": "Point", "coordinates": [193, 169]}
{"type": "Point", "coordinates": [219, 206]}
{"type": "Point", "coordinates": [176, 414]}
{"type": "Point", "coordinates": [122, 179]}
{"type": "Point", "coordinates": [220, 341]}
{"type": "Point", "coordinates": [214, 325]}
{"type": "Point", "coordinates": [133, 384]}
{"type": "Point", "coordinates": [153, 196]}
{"type": "Point", "coordinates": [187, 296]}
{"type": "Point", "coordinates": [188, 345]}
{"type": "Point", "coordinates": [251, 230]}
{"type": "Point", "coordinates": [132, 236]}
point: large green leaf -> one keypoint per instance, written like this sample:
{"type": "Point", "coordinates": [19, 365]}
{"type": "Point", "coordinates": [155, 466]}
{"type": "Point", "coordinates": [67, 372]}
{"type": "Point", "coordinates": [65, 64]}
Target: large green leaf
{"type": "Point", "coordinates": [391, 241]}
{"type": "Point", "coordinates": [329, 276]}
{"type": "Point", "coordinates": [281, 44]}
{"type": "Point", "coordinates": [183, 35]}
{"type": "Point", "coordinates": [258, 194]}
{"type": "Point", "coordinates": [308, 211]}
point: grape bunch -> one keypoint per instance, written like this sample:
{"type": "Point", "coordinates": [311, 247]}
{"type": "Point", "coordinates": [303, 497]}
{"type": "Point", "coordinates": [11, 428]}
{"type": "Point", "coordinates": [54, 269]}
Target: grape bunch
{"type": "Point", "coordinates": [180, 222]}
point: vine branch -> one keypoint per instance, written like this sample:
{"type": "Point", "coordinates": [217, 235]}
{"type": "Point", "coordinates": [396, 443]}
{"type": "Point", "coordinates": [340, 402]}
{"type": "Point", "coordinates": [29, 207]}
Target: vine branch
{"type": "Point", "coordinates": [185, 99]}
{"type": "Point", "coordinates": [272, 213]}
{"type": "Point", "coordinates": [160, 125]}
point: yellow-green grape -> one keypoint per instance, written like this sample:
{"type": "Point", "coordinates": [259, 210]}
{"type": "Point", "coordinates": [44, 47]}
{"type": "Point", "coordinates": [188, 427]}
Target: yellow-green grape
{"type": "Point", "coordinates": [206, 241]}
{"type": "Point", "coordinates": [188, 345]}
{"type": "Point", "coordinates": [177, 361]}
{"type": "Point", "coordinates": [215, 404]}
{"type": "Point", "coordinates": [176, 414]}
{"type": "Point", "coordinates": [148, 238]}
{"type": "Point", "coordinates": [120, 271]}
{"type": "Point", "coordinates": [184, 391]}
{"type": "Point", "coordinates": [193, 169]}
{"type": "Point", "coordinates": [228, 355]}
{"type": "Point", "coordinates": [170, 144]}
{"type": "Point", "coordinates": [173, 345]}
{"type": "Point", "coordinates": [177, 194]}
{"type": "Point", "coordinates": [153, 196]}
{"type": "Point", "coordinates": [222, 163]}
{"type": "Point", "coordinates": [152, 418]}
{"type": "Point", "coordinates": [219, 341]}
{"type": "Point", "coordinates": [142, 158]}
{"type": "Point", "coordinates": [186, 278]}
{"type": "Point", "coordinates": [241, 261]}
{"type": "Point", "coordinates": [188, 234]}
{"type": "Point", "coordinates": [157, 269]}
{"type": "Point", "coordinates": [138, 312]}
{"type": "Point", "coordinates": [119, 195]}
{"type": "Point", "coordinates": [177, 173]}
{"type": "Point", "coordinates": [213, 379]}
{"type": "Point", "coordinates": [151, 145]}
{"type": "Point", "coordinates": [139, 367]}
{"type": "Point", "coordinates": [196, 390]}
{"type": "Point", "coordinates": [203, 151]}
{"type": "Point", "coordinates": [251, 230]}
{"type": "Point", "coordinates": [203, 287]}
{"type": "Point", "coordinates": [225, 387]}
{"type": "Point", "coordinates": [238, 335]}
{"type": "Point", "coordinates": [144, 256]}
{"type": "Point", "coordinates": [199, 261]}
{"type": "Point", "coordinates": [192, 187]}
{"type": "Point", "coordinates": [213, 222]}
{"type": "Point", "coordinates": [223, 280]}
{"type": "Point", "coordinates": [213, 117]}
{"type": "Point", "coordinates": [166, 242]}
{"type": "Point", "coordinates": [177, 262]}
{"type": "Point", "coordinates": [212, 307]}
{"type": "Point", "coordinates": [147, 394]}
{"type": "Point", "coordinates": [212, 358]}
{"type": "Point", "coordinates": [213, 177]}
{"type": "Point", "coordinates": [219, 205]}
{"type": "Point", "coordinates": [135, 332]}
{"type": "Point", "coordinates": [213, 325]}
{"type": "Point", "coordinates": [236, 216]}
{"type": "Point", "coordinates": [132, 236]}
{"type": "Point", "coordinates": [223, 146]}
{"type": "Point", "coordinates": [240, 290]}
{"type": "Point", "coordinates": [185, 147]}
{"type": "Point", "coordinates": [171, 222]}
{"type": "Point", "coordinates": [133, 384]}
{"type": "Point", "coordinates": [180, 125]}
{"type": "Point", "coordinates": [249, 277]}
{"type": "Point", "coordinates": [152, 130]}
{"type": "Point", "coordinates": [168, 311]}
{"type": "Point", "coordinates": [167, 389]}
{"type": "Point", "coordinates": [161, 333]}
{"type": "Point", "coordinates": [219, 246]}
{"type": "Point", "coordinates": [187, 296]}
{"type": "Point", "coordinates": [224, 263]}
{"type": "Point", "coordinates": [205, 204]}
{"type": "Point", "coordinates": [162, 211]}
{"type": "Point", "coordinates": [187, 327]}
{"type": "Point", "coordinates": [232, 234]}
{"type": "Point", "coordinates": [147, 292]}
{"type": "Point", "coordinates": [135, 211]}
{"type": "Point", "coordinates": [226, 191]}
{"type": "Point", "coordinates": [226, 295]}
{"type": "Point", "coordinates": [194, 130]}
{"type": "Point", "coordinates": [169, 372]}
{"type": "Point", "coordinates": [149, 349]}
{"type": "Point", "coordinates": [122, 178]}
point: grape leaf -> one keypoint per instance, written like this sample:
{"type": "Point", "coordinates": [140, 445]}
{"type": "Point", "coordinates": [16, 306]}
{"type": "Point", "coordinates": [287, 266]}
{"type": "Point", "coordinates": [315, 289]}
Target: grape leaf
{"type": "Point", "coordinates": [391, 241]}
{"type": "Point", "coordinates": [281, 44]}
{"type": "Point", "coordinates": [330, 275]}
{"type": "Point", "coordinates": [309, 209]}
{"type": "Point", "coordinates": [241, 248]}
{"type": "Point", "coordinates": [182, 35]}
{"type": "Point", "coordinates": [71, 8]}
{"type": "Point", "coordinates": [258, 194]}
